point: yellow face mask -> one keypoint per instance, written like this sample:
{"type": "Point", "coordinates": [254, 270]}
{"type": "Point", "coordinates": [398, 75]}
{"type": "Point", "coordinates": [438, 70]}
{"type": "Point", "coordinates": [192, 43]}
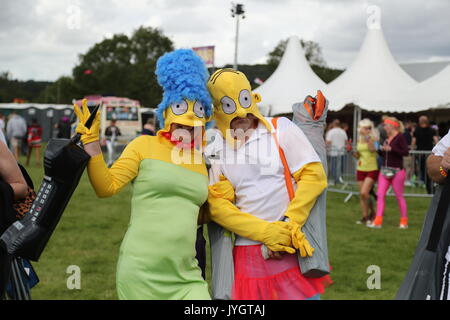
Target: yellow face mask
{"type": "Point", "coordinates": [187, 113]}
{"type": "Point", "coordinates": [232, 97]}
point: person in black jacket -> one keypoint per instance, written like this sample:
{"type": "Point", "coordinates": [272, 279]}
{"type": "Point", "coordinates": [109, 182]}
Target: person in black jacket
{"type": "Point", "coordinates": [424, 139]}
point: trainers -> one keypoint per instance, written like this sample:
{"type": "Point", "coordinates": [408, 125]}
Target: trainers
{"type": "Point", "coordinates": [376, 223]}
{"type": "Point", "coordinates": [403, 223]}
{"type": "Point", "coordinates": [362, 221]}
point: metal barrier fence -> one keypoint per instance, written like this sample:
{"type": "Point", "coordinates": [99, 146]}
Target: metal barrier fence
{"type": "Point", "coordinates": [342, 174]}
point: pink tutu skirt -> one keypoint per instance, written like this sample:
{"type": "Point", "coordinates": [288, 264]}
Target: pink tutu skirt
{"type": "Point", "coordinates": [259, 279]}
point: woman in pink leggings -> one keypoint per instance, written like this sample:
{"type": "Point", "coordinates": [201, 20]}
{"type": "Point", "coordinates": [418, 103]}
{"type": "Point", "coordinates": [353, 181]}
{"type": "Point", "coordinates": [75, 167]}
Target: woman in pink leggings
{"type": "Point", "coordinates": [392, 172]}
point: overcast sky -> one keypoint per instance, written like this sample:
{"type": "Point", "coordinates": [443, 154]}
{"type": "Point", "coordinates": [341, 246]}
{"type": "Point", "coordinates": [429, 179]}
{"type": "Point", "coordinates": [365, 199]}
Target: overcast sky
{"type": "Point", "coordinates": [41, 39]}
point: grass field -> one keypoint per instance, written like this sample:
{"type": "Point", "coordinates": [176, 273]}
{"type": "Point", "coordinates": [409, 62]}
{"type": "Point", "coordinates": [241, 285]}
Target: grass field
{"type": "Point", "coordinates": [91, 230]}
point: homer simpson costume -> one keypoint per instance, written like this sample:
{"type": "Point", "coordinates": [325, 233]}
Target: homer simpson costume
{"type": "Point", "coordinates": [248, 195]}
{"type": "Point", "coordinates": [157, 255]}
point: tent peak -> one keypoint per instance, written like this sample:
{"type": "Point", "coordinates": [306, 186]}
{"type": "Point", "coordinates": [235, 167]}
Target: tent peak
{"type": "Point", "coordinates": [291, 82]}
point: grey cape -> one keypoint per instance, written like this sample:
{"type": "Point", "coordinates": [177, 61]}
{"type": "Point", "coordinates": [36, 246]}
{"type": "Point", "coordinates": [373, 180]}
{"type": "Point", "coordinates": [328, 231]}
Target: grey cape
{"type": "Point", "coordinates": [315, 228]}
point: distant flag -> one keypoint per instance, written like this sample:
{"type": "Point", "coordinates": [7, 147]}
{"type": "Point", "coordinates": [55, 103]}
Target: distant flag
{"type": "Point", "coordinates": [258, 81]}
{"type": "Point", "coordinates": [88, 71]}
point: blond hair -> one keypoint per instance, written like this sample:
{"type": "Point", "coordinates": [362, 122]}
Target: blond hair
{"type": "Point", "coordinates": [367, 123]}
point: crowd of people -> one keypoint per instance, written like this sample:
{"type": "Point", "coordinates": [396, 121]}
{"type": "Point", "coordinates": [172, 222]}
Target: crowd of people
{"type": "Point", "coordinates": [383, 160]}
{"type": "Point", "coordinates": [22, 138]}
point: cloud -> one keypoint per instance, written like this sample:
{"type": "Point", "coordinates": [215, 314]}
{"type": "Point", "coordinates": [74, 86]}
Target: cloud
{"type": "Point", "coordinates": [41, 39]}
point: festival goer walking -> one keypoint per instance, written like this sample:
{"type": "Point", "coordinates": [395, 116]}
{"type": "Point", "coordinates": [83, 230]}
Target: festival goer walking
{"type": "Point", "coordinates": [392, 172]}
{"type": "Point", "coordinates": [367, 167]}
{"type": "Point", "coordinates": [64, 128]}
{"type": "Point", "coordinates": [111, 134]}
{"type": "Point", "coordinates": [16, 130]}
{"type": "Point", "coordinates": [425, 137]}
{"type": "Point", "coordinates": [336, 139]}
{"type": "Point", "coordinates": [34, 140]}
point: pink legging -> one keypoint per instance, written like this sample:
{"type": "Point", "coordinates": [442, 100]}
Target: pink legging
{"type": "Point", "coordinates": [398, 184]}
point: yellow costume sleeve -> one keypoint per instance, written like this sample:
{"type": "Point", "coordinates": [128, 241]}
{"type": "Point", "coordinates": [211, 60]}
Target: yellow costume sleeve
{"type": "Point", "coordinates": [275, 235]}
{"type": "Point", "coordinates": [107, 182]}
{"type": "Point", "coordinates": [311, 181]}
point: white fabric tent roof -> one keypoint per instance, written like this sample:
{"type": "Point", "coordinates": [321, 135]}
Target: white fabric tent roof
{"type": "Point", "coordinates": [290, 83]}
{"type": "Point", "coordinates": [374, 81]}
{"type": "Point", "coordinates": [421, 71]}
{"type": "Point", "coordinates": [433, 92]}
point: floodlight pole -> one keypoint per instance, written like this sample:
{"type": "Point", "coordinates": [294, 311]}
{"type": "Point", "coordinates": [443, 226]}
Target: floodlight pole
{"type": "Point", "coordinates": [236, 11]}
{"type": "Point", "coordinates": [236, 44]}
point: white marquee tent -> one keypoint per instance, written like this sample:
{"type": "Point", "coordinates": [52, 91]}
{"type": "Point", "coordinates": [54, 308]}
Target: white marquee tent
{"type": "Point", "coordinates": [290, 83]}
{"type": "Point", "coordinates": [374, 81]}
{"type": "Point", "coordinates": [433, 92]}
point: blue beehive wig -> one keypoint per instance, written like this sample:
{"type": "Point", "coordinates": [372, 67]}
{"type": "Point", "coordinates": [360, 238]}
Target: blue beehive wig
{"type": "Point", "coordinates": [183, 75]}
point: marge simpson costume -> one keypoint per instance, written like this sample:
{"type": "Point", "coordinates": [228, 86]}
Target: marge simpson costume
{"type": "Point", "coordinates": [157, 255]}
{"type": "Point", "coordinates": [248, 193]}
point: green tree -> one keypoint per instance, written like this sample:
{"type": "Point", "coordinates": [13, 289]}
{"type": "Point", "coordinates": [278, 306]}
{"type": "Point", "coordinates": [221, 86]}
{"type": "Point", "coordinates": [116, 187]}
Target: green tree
{"type": "Point", "coordinates": [313, 53]}
{"type": "Point", "coordinates": [105, 68]}
{"type": "Point", "coordinates": [147, 45]}
{"type": "Point", "coordinates": [124, 66]}
{"type": "Point", "coordinates": [12, 88]}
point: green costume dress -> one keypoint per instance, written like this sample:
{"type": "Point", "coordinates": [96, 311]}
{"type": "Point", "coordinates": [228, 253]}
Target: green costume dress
{"type": "Point", "coordinates": [157, 255]}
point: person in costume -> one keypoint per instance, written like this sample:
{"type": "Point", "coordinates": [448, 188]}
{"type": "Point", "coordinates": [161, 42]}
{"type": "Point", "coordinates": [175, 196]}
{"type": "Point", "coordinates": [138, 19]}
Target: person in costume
{"type": "Point", "coordinates": [169, 186]}
{"type": "Point", "coordinates": [248, 196]}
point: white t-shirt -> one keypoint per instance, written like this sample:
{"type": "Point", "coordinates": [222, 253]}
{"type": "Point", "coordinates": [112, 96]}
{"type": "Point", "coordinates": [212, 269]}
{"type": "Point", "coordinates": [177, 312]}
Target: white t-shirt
{"type": "Point", "coordinates": [442, 146]}
{"type": "Point", "coordinates": [338, 138]}
{"type": "Point", "coordinates": [256, 171]}
{"type": "Point", "coordinates": [2, 137]}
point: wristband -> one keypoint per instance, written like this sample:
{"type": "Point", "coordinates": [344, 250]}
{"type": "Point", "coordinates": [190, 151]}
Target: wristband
{"type": "Point", "coordinates": [443, 172]}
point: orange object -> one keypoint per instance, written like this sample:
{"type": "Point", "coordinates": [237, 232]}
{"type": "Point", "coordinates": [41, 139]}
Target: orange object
{"type": "Point", "coordinates": [378, 221]}
{"type": "Point", "coordinates": [287, 173]}
{"type": "Point", "coordinates": [315, 106]}
{"type": "Point", "coordinates": [392, 122]}
{"type": "Point", "coordinates": [404, 222]}
{"type": "Point", "coordinates": [443, 172]}
{"type": "Point", "coordinates": [308, 104]}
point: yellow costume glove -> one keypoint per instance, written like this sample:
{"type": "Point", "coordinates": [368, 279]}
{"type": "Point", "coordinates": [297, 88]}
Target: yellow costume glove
{"type": "Point", "coordinates": [275, 235]}
{"type": "Point", "coordinates": [91, 134]}
{"type": "Point", "coordinates": [311, 181]}
{"type": "Point", "coordinates": [299, 240]}
{"type": "Point", "coordinates": [223, 189]}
